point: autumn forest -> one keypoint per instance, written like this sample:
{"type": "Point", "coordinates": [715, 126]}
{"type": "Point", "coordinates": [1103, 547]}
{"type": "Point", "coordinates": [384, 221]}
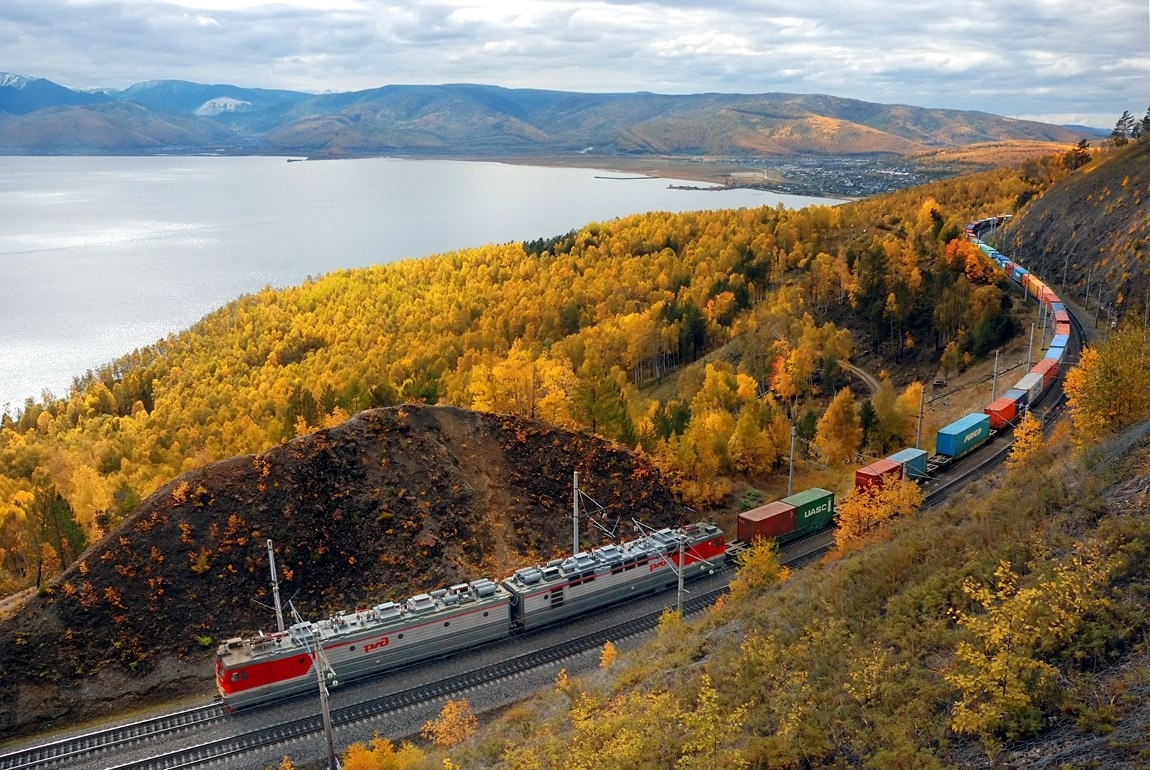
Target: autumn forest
{"type": "Point", "coordinates": [699, 341]}
{"type": "Point", "coordinates": [581, 330]}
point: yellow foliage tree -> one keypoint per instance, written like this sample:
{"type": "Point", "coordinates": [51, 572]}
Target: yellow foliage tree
{"type": "Point", "coordinates": [608, 655]}
{"type": "Point", "coordinates": [1028, 443]}
{"type": "Point", "coordinates": [758, 568]}
{"type": "Point", "coordinates": [999, 671]}
{"type": "Point", "coordinates": [838, 434]}
{"type": "Point", "coordinates": [456, 723]}
{"type": "Point", "coordinates": [864, 509]}
{"type": "Point", "coordinates": [1110, 387]}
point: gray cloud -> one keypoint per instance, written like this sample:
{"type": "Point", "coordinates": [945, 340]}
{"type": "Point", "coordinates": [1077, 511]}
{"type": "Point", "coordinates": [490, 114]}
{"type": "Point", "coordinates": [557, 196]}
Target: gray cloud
{"type": "Point", "coordinates": [1051, 59]}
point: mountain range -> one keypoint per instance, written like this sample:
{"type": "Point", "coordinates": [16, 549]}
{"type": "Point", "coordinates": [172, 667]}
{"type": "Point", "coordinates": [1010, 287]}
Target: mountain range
{"type": "Point", "coordinates": [38, 116]}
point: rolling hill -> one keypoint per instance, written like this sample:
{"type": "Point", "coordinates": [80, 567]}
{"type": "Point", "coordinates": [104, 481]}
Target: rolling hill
{"type": "Point", "coordinates": [480, 120]}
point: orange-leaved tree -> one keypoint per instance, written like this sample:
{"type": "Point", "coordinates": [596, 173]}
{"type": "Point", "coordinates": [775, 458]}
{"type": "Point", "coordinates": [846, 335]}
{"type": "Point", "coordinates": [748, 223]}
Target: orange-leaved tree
{"type": "Point", "coordinates": [382, 755]}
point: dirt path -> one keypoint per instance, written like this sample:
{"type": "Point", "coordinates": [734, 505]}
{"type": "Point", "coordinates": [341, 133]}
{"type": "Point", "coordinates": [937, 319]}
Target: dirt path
{"type": "Point", "coordinates": [868, 379]}
{"type": "Point", "coordinates": [11, 604]}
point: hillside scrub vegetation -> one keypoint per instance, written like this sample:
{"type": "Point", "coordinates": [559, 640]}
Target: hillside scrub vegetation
{"type": "Point", "coordinates": [1091, 233]}
{"type": "Point", "coordinates": [998, 617]}
{"type": "Point", "coordinates": [574, 331]}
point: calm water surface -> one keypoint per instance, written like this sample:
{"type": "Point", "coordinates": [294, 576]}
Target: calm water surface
{"type": "Point", "coordinates": [99, 256]}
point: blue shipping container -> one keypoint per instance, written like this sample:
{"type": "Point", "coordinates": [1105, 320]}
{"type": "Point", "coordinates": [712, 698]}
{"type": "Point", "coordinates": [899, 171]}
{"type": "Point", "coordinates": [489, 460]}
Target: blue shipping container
{"type": "Point", "coordinates": [963, 436]}
{"type": "Point", "coordinates": [1060, 341]}
{"type": "Point", "coordinates": [1056, 354]}
{"type": "Point", "coordinates": [1056, 306]}
{"type": "Point", "coordinates": [1019, 272]}
{"type": "Point", "coordinates": [912, 460]}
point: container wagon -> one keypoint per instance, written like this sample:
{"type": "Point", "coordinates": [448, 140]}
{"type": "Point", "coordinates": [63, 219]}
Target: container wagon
{"type": "Point", "coordinates": [1034, 385]}
{"type": "Point", "coordinates": [1020, 397]}
{"type": "Point", "coordinates": [1049, 371]}
{"type": "Point", "coordinates": [913, 462]}
{"type": "Point", "coordinates": [767, 521]}
{"type": "Point", "coordinates": [814, 509]}
{"type": "Point", "coordinates": [877, 473]}
{"type": "Point", "coordinates": [1002, 412]}
{"type": "Point", "coordinates": [963, 436]}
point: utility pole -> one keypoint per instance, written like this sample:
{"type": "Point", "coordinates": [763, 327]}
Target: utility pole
{"type": "Point", "coordinates": [1089, 274]}
{"type": "Point", "coordinates": [575, 515]}
{"type": "Point", "coordinates": [791, 476]}
{"type": "Point", "coordinates": [1030, 347]}
{"type": "Point", "coordinates": [682, 545]}
{"type": "Point", "coordinates": [275, 586]}
{"type": "Point", "coordinates": [322, 668]}
{"type": "Point", "coordinates": [921, 403]}
{"type": "Point", "coordinates": [994, 379]}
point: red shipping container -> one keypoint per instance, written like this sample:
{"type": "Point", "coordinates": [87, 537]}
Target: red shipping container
{"type": "Point", "coordinates": [1002, 412]}
{"type": "Point", "coordinates": [1048, 368]}
{"type": "Point", "coordinates": [877, 472]}
{"type": "Point", "coordinates": [766, 521]}
{"type": "Point", "coordinates": [1061, 327]}
{"type": "Point", "coordinates": [1061, 316]}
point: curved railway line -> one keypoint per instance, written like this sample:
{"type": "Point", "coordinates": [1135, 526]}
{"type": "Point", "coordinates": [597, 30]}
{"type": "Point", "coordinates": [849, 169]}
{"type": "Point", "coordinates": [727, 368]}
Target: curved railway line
{"type": "Point", "coordinates": [185, 734]}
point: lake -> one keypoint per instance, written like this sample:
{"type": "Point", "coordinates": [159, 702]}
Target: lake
{"type": "Point", "coordinates": [101, 255]}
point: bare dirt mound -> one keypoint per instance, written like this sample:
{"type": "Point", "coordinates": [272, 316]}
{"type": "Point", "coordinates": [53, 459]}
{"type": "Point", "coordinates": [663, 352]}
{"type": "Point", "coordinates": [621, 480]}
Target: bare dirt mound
{"type": "Point", "coordinates": [393, 502]}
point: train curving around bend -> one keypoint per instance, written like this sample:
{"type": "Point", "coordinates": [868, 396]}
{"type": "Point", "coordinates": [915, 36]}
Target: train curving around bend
{"type": "Point", "coordinates": [784, 520]}
{"type": "Point", "coordinates": [263, 667]}
{"type": "Point", "coordinates": [255, 669]}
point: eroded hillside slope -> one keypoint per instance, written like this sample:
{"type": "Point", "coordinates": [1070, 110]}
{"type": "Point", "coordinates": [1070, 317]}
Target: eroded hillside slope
{"type": "Point", "coordinates": [392, 502]}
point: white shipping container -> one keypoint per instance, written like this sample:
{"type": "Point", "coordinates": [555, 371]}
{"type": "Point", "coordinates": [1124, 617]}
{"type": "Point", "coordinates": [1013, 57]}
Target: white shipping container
{"type": "Point", "coordinates": [1033, 384]}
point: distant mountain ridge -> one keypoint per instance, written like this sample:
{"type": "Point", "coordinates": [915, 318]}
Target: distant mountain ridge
{"type": "Point", "coordinates": [38, 117]}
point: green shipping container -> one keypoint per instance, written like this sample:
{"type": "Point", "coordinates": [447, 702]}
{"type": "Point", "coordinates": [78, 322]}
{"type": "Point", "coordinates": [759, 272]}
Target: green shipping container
{"type": "Point", "coordinates": [814, 508]}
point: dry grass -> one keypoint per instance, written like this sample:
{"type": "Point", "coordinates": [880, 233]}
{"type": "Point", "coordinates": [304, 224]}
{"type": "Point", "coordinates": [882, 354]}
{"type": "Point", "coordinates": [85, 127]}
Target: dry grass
{"type": "Point", "coordinates": [994, 153]}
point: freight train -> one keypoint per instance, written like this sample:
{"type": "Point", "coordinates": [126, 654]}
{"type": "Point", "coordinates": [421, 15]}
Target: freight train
{"type": "Point", "coordinates": [258, 668]}
{"type": "Point", "coordinates": [960, 438]}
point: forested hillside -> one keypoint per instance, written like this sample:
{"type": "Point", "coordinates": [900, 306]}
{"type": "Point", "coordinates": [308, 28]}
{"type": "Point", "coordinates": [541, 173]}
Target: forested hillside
{"type": "Point", "coordinates": [571, 330]}
{"type": "Point", "coordinates": [1004, 629]}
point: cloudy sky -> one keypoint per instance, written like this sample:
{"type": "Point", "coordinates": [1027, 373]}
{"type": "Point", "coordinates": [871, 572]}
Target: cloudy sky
{"type": "Point", "coordinates": [1063, 61]}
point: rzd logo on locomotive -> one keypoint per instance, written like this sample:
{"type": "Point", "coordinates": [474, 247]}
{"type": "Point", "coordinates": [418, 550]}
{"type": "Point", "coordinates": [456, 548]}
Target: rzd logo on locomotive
{"type": "Point", "coordinates": [373, 646]}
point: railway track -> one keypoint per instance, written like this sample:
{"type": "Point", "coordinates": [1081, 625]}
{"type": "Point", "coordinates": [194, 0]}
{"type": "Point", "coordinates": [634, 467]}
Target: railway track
{"type": "Point", "coordinates": [109, 739]}
{"type": "Point", "coordinates": [79, 750]}
{"type": "Point", "coordinates": [85, 747]}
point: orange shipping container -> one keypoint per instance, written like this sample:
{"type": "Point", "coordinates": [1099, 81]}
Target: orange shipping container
{"type": "Point", "coordinates": [1002, 412]}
